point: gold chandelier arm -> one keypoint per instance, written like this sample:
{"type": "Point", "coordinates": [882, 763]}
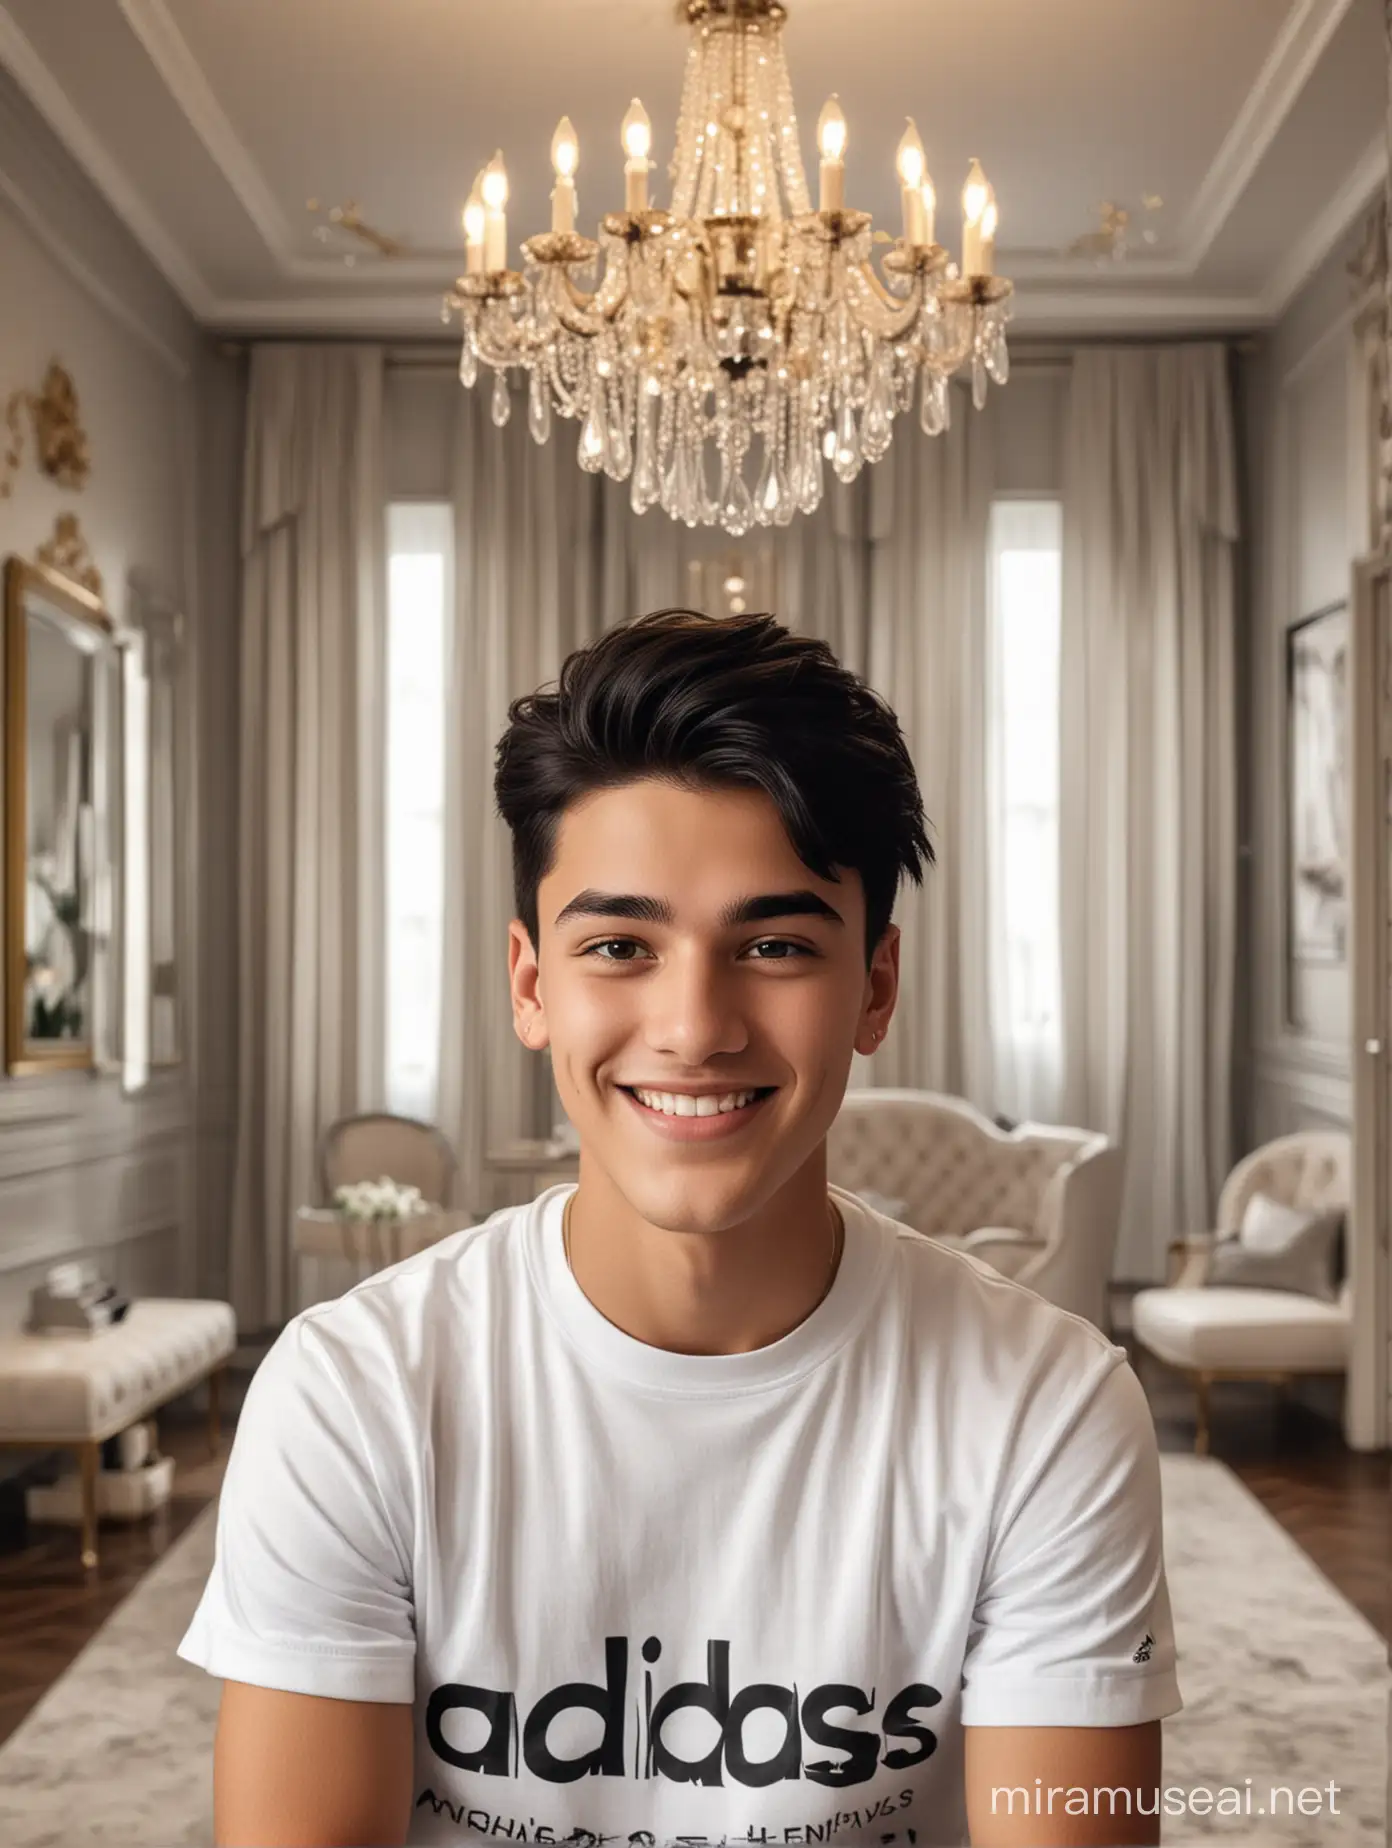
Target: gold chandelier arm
{"type": "Point", "coordinates": [585, 313]}
{"type": "Point", "coordinates": [878, 310]}
{"type": "Point", "coordinates": [575, 313]}
{"type": "Point", "coordinates": [516, 350]}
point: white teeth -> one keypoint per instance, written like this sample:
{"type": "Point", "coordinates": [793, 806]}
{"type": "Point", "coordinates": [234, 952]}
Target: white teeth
{"type": "Point", "coordinates": [676, 1104]}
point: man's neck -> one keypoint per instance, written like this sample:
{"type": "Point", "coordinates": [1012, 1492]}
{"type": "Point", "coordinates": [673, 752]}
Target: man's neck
{"type": "Point", "coordinates": [716, 1288]}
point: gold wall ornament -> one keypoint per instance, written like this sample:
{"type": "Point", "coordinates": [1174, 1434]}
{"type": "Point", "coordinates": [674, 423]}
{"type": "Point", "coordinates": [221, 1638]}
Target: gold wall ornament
{"type": "Point", "coordinates": [59, 439]}
{"type": "Point", "coordinates": [14, 453]}
{"type": "Point", "coordinates": [1115, 235]}
{"type": "Point", "coordinates": [63, 450]}
{"type": "Point", "coordinates": [347, 218]}
{"type": "Point", "coordinates": [67, 552]}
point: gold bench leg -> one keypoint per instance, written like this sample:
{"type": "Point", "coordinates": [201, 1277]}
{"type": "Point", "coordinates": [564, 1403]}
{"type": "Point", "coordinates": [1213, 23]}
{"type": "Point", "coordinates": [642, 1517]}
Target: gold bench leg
{"type": "Point", "coordinates": [89, 1457]}
{"type": "Point", "coordinates": [215, 1411]}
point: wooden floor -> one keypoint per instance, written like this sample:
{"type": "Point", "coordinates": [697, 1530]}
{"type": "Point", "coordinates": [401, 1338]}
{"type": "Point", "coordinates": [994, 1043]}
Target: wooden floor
{"type": "Point", "coordinates": [1336, 1504]}
{"type": "Point", "coordinates": [50, 1607]}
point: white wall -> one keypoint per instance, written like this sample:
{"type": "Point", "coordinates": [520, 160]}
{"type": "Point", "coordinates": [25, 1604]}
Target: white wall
{"type": "Point", "coordinates": [1306, 515]}
{"type": "Point", "coordinates": [85, 1170]}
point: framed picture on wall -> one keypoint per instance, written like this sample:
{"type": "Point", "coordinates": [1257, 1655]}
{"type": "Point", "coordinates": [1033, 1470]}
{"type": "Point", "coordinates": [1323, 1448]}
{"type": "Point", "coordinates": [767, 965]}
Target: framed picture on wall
{"type": "Point", "coordinates": [1317, 785]}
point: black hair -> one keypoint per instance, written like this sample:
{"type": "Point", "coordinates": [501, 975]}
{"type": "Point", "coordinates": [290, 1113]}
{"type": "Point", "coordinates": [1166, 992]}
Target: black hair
{"type": "Point", "coordinates": [719, 702]}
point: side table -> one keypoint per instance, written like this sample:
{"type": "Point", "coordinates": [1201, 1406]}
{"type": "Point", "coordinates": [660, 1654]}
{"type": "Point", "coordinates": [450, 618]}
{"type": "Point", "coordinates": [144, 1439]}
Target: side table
{"type": "Point", "coordinates": [516, 1172]}
{"type": "Point", "coordinates": [320, 1234]}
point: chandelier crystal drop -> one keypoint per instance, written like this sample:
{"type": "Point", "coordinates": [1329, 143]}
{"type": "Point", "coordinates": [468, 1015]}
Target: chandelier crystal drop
{"type": "Point", "coordinates": [720, 354]}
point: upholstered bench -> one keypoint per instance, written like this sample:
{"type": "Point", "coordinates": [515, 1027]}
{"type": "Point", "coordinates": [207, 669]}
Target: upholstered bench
{"type": "Point", "coordinates": [73, 1391]}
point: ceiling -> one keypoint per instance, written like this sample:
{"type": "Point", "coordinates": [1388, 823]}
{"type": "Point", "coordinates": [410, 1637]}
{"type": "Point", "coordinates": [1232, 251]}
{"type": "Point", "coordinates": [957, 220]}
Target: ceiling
{"type": "Point", "coordinates": [209, 123]}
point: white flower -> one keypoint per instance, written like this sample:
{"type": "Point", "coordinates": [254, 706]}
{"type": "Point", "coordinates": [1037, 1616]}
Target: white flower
{"type": "Point", "coordinates": [383, 1198]}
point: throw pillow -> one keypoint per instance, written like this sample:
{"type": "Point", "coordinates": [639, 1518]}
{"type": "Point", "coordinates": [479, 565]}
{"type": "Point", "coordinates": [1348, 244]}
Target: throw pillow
{"type": "Point", "coordinates": [1282, 1248]}
{"type": "Point", "coordinates": [1269, 1225]}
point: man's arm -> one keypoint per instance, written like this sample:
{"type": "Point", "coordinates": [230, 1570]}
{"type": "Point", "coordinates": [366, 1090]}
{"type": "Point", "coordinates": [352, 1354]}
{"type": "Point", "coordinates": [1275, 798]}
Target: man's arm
{"type": "Point", "coordinates": [1070, 1667]}
{"type": "Point", "coordinates": [1020, 1780]}
{"type": "Point", "coordinates": [308, 1615]}
{"type": "Point", "coordinates": [302, 1771]}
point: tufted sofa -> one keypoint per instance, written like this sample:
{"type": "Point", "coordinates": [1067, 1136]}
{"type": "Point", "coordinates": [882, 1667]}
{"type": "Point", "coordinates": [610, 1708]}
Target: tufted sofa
{"type": "Point", "coordinates": [1039, 1204]}
{"type": "Point", "coordinates": [1223, 1332]}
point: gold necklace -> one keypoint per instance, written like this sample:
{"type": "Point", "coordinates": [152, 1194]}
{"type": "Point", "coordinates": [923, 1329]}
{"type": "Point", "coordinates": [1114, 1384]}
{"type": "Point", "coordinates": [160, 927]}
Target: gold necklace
{"type": "Point", "coordinates": [838, 1229]}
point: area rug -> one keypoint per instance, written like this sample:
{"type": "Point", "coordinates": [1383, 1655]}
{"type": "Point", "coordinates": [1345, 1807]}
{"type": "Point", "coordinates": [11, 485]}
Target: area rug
{"type": "Point", "coordinates": [1285, 1684]}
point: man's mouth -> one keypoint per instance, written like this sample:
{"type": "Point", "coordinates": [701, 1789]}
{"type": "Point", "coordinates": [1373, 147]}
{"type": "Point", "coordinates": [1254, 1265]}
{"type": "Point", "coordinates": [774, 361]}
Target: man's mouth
{"type": "Point", "coordinates": [675, 1104]}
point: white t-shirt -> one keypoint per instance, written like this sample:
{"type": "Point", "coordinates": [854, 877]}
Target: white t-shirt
{"type": "Point", "coordinates": [639, 1596]}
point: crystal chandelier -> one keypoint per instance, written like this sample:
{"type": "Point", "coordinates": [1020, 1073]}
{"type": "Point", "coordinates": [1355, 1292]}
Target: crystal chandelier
{"type": "Point", "coordinates": [719, 354]}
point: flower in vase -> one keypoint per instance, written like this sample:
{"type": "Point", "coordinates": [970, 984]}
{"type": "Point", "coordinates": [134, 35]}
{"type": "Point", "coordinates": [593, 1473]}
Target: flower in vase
{"type": "Point", "coordinates": [383, 1198]}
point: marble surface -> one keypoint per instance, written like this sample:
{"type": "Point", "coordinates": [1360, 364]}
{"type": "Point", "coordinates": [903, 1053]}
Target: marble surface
{"type": "Point", "coordinates": [1285, 1684]}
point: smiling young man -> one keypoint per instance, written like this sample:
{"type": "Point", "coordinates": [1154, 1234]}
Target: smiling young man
{"type": "Point", "coordinates": [697, 1501]}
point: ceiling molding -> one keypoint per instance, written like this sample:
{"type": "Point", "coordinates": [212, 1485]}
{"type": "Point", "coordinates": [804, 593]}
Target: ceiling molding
{"type": "Point", "coordinates": [170, 53]}
{"type": "Point", "coordinates": [439, 268]}
{"type": "Point", "coordinates": [1067, 311]}
{"type": "Point", "coordinates": [1309, 251]}
{"type": "Point", "coordinates": [1333, 336]}
{"type": "Point", "coordinates": [1127, 273]}
{"type": "Point", "coordinates": [359, 313]}
{"type": "Point", "coordinates": [1074, 302]}
{"type": "Point", "coordinates": [1063, 311]}
{"type": "Point", "coordinates": [1299, 46]}
{"type": "Point", "coordinates": [41, 226]}
{"type": "Point", "coordinates": [53, 104]}
{"type": "Point", "coordinates": [183, 76]}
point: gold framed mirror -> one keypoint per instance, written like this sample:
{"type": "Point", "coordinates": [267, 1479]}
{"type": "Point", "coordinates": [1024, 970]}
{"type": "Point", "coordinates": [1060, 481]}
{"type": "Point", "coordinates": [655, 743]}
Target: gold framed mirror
{"type": "Point", "coordinates": [58, 647]}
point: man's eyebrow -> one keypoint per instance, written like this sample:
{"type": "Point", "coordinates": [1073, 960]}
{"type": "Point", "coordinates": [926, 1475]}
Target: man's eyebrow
{"type": "Point", "coordinates": [768, 905]}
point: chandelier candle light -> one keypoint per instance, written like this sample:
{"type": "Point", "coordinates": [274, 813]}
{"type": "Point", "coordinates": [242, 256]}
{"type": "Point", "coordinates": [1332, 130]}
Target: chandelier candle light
{"type": "Point", "coordinates": [717, 353]}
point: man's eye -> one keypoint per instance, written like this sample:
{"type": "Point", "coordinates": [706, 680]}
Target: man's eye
{"type": "Point", "coordinates": [780, 943]}
{"type": "Point", "coordinates": [608, 944]}
{"type": "Point", "coordinates": [629, 943]}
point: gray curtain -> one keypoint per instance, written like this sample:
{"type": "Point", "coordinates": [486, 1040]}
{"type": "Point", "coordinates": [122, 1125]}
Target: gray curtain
{"type": "Point", "coordinates": [1148, 779]}
{"type": "Point", "coordinates": [309, 855]}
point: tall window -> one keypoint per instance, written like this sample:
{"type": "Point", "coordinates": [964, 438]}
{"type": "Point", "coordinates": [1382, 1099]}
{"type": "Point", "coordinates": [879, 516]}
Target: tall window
{"type": "Point", "coordinates": [1025, 595]}
{"type": "Point", "coordinates": [420, 540]}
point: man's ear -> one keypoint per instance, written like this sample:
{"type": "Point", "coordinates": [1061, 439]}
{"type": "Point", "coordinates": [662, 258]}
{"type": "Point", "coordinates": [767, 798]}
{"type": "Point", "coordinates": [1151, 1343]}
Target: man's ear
{"type": "Point", "coordinates": [882, 980]}
{"type": "Point", "coordinates": [524, 979]}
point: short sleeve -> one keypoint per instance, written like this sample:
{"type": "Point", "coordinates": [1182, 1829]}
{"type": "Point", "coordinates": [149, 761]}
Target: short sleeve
{"type": "Point", "coordinates": [310, 1588]}
{"type": "Point", "coordinates": [1072, 1625]}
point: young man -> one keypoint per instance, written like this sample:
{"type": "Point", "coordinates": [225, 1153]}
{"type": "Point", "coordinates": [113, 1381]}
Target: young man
{"type": "Point", "coordinates": [697, 1502]}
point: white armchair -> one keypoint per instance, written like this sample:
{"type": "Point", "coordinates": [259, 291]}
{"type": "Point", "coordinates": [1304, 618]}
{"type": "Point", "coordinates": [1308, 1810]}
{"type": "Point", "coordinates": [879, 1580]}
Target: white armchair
{"type": "Point", "coordinates": [1218, 1332]}
{"type": "Point", "coordinates": [1037, 1203]}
